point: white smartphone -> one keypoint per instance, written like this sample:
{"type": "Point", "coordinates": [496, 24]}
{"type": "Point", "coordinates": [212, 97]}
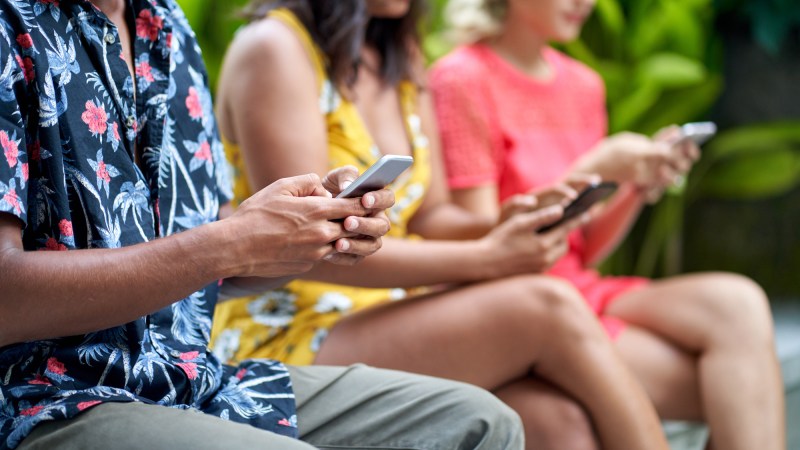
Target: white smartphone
{"type": "Point", "coordinates": [378, 176]}
{"type": "Point", "coordinates": [699, 132]}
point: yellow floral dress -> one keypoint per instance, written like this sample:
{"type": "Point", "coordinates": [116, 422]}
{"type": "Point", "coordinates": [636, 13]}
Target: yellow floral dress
{"type": "Point", "coordinates": [289, 324]}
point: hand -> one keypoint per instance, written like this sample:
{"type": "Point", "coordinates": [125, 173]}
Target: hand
{"type": "Point", "coordinates": [367, 230]}
{"type": "Point", "coordinates": [684, 153]}
{"type": "Point", "coordinates": [630, 158]}
{"type": "Point", "coordinates": [290, 225]}
{"type": "Point", "coordinates": [558, 194]}
{"type": "Point", "coordinates": [514, 247]}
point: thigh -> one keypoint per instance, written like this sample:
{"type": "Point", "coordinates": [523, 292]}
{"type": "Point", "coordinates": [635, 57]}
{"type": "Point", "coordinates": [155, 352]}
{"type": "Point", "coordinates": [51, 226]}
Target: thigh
{"type": "Point", "coordinates": [136, 426]}
{"type": "Point", "coordinates": [668, 373]}
{"type": "Point", "coordinates": [363, 407]}
{"type": "Point", "coordinates": [485, 334]}
{"type": "Point", "coordinates": [552, 418]}
{"type": "Point", "coordinates": [690, 310]}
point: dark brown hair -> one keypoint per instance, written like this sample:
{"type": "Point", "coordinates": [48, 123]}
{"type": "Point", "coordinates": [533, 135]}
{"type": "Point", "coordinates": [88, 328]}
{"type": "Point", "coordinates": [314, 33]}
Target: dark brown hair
{"type": "Point", "coordinates": [395, 40]}
{"type": "Point", "coordinates": [340, 27]}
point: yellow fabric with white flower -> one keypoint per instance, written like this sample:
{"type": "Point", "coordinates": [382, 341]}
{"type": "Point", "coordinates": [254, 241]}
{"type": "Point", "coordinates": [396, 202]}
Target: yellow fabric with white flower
{"type": "Point", "coordinates": [290, 324]}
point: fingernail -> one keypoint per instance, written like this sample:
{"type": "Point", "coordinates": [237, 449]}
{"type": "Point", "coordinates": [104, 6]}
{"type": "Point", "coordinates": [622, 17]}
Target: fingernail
{"type": "Point", "coordinates": [350, 224]}
{"type": "Point", "coordinates": [344, 185]}
{"type": "Point", "coordinates": [369, 201]}
{"type": "Point", "coordinates": [344, 245]}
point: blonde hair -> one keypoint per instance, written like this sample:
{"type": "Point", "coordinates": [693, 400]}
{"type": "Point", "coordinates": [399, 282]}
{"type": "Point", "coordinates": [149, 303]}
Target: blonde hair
{"type": "Point", "coordinates": [472, 20]}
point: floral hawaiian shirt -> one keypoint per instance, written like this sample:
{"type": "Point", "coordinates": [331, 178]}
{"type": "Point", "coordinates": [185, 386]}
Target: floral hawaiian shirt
{"type": "Point", "coordinates": [70, 114]}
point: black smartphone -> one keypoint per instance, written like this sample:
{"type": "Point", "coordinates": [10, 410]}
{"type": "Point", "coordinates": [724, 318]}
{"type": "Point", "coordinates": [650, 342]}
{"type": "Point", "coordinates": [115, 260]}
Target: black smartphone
{"type": "Point", "coordinates": [588, 197]}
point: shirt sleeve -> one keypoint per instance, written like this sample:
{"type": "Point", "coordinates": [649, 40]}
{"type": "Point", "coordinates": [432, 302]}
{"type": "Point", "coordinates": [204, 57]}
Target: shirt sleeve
{"type": "Point", "coordinates": [469, 140]}
{"type": "Point", "coordinates": [13, 156]}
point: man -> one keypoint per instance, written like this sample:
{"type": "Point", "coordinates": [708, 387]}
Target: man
{"type": "Point", "coordinates": [110, 151]}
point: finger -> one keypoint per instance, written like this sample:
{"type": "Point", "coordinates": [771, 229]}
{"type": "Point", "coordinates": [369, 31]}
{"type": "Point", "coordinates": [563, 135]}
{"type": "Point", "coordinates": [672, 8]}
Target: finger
{"type": "Point", "coordinates": [670, 134]}
{"type": "Point", "coordinates": [360, 247]}
{"type": "Point", "coordinates": [378, 200]}
{"type": "Point", "coordinates": [338, 179]}
{"type": "Point", "coordinates": [336, 209]}
{"type": "Point", "coordinates": [519, 204]}
{"type": "Point", "coordinates": [537, 219]}
{"type": "Point", "coordinates": [368, 226]}
{"type": "Point", "coordinates": [573, 223]}
{"type": "Point", "coordinates": [580, 181]}
{"type": "Point", "coordinates": [308, 185]}
{"type": "Point", "coordinates": [560, 194]}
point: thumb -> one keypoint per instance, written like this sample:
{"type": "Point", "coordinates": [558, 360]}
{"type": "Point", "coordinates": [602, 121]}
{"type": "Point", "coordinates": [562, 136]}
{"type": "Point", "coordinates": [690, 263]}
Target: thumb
{"type": "Point", "coordinates": [338, 179]}
{"type": "Point", "coordinates": [308, 185]}
{"type": "Point", "coordinates": [534, 220]}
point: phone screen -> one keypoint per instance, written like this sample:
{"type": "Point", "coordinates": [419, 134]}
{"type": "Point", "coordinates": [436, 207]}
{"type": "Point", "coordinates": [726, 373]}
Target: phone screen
{"type": "Point", "coordinates": [588, 197]}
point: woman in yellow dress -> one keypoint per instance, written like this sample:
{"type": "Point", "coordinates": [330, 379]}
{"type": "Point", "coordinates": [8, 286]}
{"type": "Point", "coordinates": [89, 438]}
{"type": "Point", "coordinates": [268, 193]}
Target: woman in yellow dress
{"type": "Point", "coordinates": [310, 85]}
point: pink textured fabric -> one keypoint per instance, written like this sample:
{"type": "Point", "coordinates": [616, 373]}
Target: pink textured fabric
{"type": "Point", "coordinates": [499, 126]}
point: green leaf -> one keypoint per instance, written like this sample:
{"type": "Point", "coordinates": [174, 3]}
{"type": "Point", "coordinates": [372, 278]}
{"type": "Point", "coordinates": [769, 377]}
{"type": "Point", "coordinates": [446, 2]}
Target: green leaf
{"type": "Point", "coordinates": [611, 16]}
{"type": "Point", "coordinates": [671, 70]}
{"type": "Point", "coordinates": [754, 175]}
{"type": "Point", "coordinates": [681, 105]}
{"type": "Point", "coordinates": [625, 112]}
{"type": "Point", "coordinates": [753, 138]}
{"type": "Point", "coordinates": [687, 35]}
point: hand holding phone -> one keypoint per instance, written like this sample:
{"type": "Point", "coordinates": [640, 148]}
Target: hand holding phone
{"type": "Point", "coordinates": [378, 176]}
{"type": "Point", "coordinates": [588, 197]}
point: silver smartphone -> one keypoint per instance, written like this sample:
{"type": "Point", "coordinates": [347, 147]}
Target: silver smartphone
{"type": "Point", "coordinates": [378, 176]}
{"type": "Point", "coordinates": [699, 132]}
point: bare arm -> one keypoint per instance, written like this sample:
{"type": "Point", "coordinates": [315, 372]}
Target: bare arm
{"type": "Point", "coordinates": [282, 230]}
{"type": "Point", "coordinates": [643, 167]}
{"type": "Point", "coordinates": [438, 217]}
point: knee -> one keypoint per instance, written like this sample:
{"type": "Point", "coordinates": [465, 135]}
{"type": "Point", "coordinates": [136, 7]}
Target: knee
{"type": "Point", "coordinates": [741, 307]}
{"type": "Point", "coordinates": [566, 313]}
{"type": "Point", "coordinates": [493, 424]}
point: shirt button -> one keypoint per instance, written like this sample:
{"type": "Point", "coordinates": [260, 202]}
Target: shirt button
{"type": "Point", "coordinates": [131, 121]}
{"type": "Point", "coordinates": [110, 39]}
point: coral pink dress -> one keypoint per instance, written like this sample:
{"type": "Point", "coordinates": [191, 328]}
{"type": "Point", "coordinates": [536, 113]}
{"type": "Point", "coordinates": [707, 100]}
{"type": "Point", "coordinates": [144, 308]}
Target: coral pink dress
{"type": "Point", "coordinates": [500, 126]}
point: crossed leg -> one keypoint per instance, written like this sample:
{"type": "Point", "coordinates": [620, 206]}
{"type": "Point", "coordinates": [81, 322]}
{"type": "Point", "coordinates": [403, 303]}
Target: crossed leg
{"type": "Point", "coordinates": [500, 335]}
{"type": "Point", "coordinates": [702, 346]}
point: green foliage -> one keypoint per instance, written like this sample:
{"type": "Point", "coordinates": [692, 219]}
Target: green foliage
{"type": "Point", "coordinates": [655, 58]}
{"type": "Point", "coordinates": [751, 162]}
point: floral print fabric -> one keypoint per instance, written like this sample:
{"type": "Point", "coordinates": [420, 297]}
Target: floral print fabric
{"type": "Point", "coordinates": [71, 117]}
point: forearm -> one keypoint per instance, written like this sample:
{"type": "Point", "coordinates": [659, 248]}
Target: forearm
{"type": "Point", "coordinates": [450, 222]}
{"type": "Point", "coordinates": [607, 231]}
{"type": "Point", "coordinates": [408, 263]}
{"type": "Point", "coordinates": [53, 294]}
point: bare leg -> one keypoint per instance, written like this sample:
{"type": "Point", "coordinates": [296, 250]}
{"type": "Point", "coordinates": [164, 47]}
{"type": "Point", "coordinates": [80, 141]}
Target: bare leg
{"type": "Point", "coordinates": [552, 419]}
{"type": "Point", "coordinates": [668, 373]}
{"type": "Point", "coordinates": [495, 333]}
{"type": "Point", "coordinates": [724, 319]}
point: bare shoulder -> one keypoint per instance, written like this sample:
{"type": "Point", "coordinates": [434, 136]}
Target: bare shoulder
{"type": "Point", "coordinates": [263, 54]}
{"type": "Point", "coordinates": [266, 42]}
